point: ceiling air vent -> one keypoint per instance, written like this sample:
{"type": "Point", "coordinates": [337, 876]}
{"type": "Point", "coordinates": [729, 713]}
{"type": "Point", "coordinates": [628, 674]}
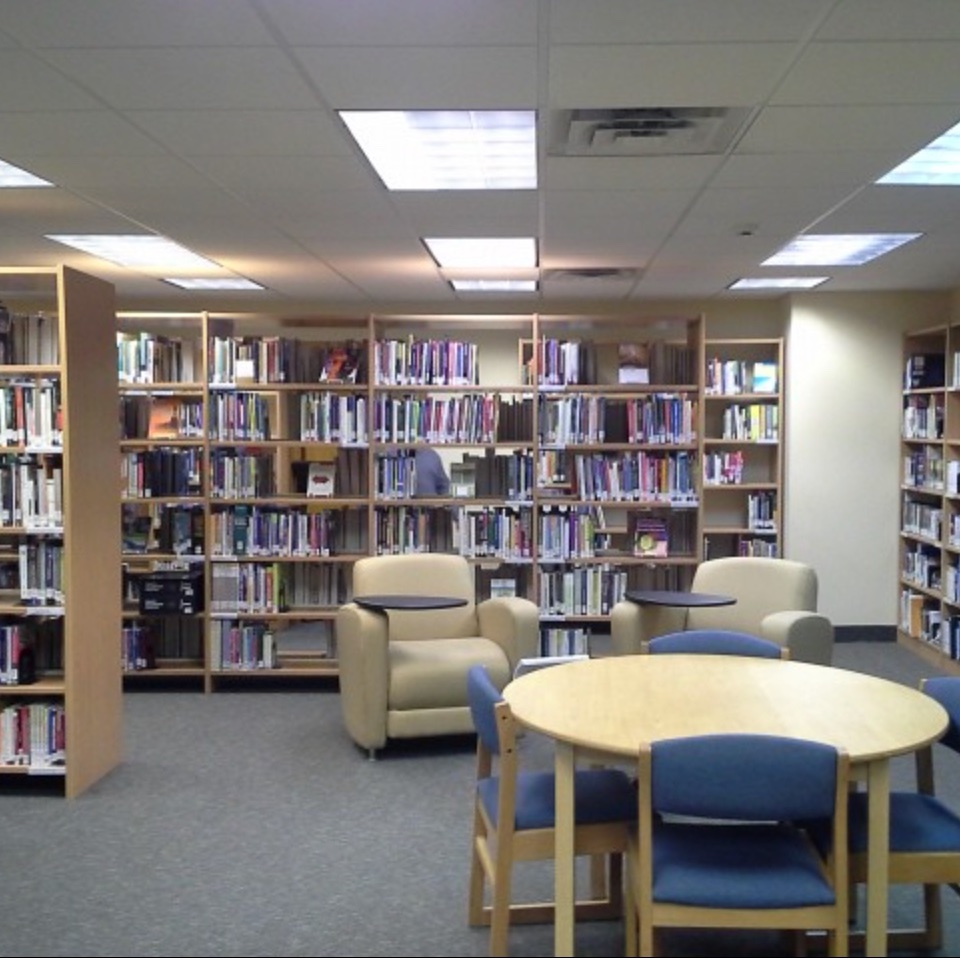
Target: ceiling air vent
{"type": "Point", "coordinates": [593, 272]}
{"type": "Point", "coordinates": [647, 131]}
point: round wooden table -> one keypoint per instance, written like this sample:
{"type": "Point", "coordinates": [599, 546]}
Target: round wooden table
{"type": "Point", "coordinates": [606, 707]}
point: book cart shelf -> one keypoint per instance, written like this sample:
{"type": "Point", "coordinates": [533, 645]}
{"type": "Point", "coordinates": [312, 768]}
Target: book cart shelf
{"type": "Point", "coordinates": [60, 682]}
{"type": "Point", "coordinates": [575, 447]}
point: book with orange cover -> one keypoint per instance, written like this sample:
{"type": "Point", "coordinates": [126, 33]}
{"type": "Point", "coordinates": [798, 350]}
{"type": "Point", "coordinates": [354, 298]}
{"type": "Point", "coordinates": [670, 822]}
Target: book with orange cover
{"type": "Point", "coordinates": [164, 419]}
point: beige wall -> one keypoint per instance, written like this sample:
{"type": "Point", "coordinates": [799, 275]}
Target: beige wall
{"type": "Point", "coordinates": [844, 375]}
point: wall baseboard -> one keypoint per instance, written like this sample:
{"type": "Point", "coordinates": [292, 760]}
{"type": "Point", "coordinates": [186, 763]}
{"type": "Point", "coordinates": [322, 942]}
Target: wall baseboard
{"type": "Point", "coordinates": [865, 633]}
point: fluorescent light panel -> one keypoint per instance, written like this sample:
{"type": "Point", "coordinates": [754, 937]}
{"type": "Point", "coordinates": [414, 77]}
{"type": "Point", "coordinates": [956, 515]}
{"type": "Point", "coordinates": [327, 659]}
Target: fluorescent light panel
{"type": "Point", "coordinates": [852, 249]}
{"type": "Point", "coordinates": [448, 149]}
{"type": "Point", "coordinates": [137, 251]}
{"type": "Point", "coordinates": [937, 164]}
{"type": "Point", "coordinates": [12, 177]}
{"type": "Point", "coordinates": [483, 253]}
{"type": "Point", "coordinates": [782, 282]}
{"type": "Point", "coordinates": [225, 282]}
{"type": "Point", "coordinates": [494, 285]}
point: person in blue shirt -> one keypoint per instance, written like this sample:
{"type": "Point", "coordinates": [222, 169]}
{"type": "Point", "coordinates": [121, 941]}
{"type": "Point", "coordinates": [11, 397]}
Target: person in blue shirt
{"type": "Point", "coordinates": [431, 476]}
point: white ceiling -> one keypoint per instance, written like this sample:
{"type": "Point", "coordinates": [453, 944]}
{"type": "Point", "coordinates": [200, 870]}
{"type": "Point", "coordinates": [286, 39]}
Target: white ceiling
{"type": "Point", "coordinates": [214, 123]}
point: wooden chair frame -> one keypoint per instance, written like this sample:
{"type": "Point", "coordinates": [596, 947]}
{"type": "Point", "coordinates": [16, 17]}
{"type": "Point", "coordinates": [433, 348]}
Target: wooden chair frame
{"type": "Point", "coordinates": [498, 847]}
{"type": "Point", "coordinates": [646, 917]}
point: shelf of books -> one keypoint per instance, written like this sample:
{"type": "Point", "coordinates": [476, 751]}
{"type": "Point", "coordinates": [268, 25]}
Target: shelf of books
{"type": "Point", "coordinates": [260, 460]}
{"type": "Point", "coordinates": [245, 476]}
{"type": "Point", "coordinates": [452, 384]}
{"type": "Point", "coordinates": [617, 491]}
{"type": "Point", "coordinates": [929, 617]}
{"type": "Point", "coordinates": [60, 687]}
{"type": "Point", "coordinates": [742, 448]}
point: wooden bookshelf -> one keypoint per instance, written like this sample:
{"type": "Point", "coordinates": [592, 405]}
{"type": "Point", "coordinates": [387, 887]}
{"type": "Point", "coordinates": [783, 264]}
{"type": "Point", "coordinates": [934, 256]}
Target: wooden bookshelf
{"type": "Point", "coordinates": [742, 448]}
{"type": "Point", "coordinates": [61, 520]}
{"type": "Point", "coordinates": [577, 445]}
{"type": "Point", "coordinates": [929, 547]}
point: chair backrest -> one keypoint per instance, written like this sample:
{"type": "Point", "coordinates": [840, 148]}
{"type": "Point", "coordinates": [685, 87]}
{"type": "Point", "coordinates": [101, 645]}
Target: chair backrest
{"type": "Point", "coordinates": [740, 776]}
{"type": "Point", "coordinates": [484, 697]}
{"type": "Point", "coordinates": [946, 690]}
{"type": "Point", "coordinates": [427, 573]}
{"type": "Point", "coordinates": [760, 586]}
{"type": "Point", "coordinates": [716, 642]}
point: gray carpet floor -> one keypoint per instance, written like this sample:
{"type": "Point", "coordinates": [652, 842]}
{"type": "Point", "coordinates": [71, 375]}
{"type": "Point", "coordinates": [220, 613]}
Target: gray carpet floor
{"type": "Point", "coordinates": [247, 824]}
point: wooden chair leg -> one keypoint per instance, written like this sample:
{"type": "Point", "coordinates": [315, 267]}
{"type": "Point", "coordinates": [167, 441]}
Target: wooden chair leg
{"type": "Point", "coordinates": [932, 917]}
{"type": "Point", "coordinates": [500, 906]}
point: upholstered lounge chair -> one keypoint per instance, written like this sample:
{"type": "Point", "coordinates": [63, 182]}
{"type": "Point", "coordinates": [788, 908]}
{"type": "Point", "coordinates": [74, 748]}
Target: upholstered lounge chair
{"type": "Point", "coordinates": [404, 674]}
{"type": "Point", "coordinates": [775, 599]}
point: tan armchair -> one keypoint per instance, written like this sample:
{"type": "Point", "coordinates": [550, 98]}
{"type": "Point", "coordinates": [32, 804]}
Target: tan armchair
{"type": "Point", "coordinates": [404, 674]}
{"type": "Point", "coordinates": [776, 599]}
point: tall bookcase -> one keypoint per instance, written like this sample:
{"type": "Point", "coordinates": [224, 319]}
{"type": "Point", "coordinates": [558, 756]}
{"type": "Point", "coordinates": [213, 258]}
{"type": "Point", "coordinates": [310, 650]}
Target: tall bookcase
{"type": "Point", "coordinates": [617, 460]}
{"type": "Point", "coordinates": [59, 529]}
{"type": "Point", "coordinates": [929, 616]}
{"type": "Point", "coordinates": [245, 477]}
{"type": "Point", "coordinates": [576, 447]}
{"type": "Point", "coordinates": [742, 448]}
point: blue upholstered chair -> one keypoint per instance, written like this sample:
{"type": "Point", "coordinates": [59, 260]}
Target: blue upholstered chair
{"type": "Point", "coordinates": [717, 642]}
{"type": "Point", "coordinates": [714, 847]}
{"type": "Point", "coordinates": [924, 831]}
{"type": "Point", "coordinates": [514, 816]}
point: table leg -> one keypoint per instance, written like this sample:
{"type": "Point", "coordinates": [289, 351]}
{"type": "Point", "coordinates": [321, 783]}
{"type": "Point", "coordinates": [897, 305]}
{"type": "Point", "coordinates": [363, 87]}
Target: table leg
{"type": "Point", "coordinates": [564, 872]}
{"type": "Point", "coordinates": [878, 856]}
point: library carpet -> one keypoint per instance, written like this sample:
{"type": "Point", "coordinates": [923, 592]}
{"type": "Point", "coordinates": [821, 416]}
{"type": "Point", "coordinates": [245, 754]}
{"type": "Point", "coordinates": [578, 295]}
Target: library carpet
{"type": "Point", "coordinates": [247, 824]}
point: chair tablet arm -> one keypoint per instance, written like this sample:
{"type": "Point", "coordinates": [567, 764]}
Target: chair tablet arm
{"type": "Point", "coordinates": [362, 658]}
{"type": "Point", "coordinates": [632, 624]}
{"type": "Point", "coordinates": [513, 622]}
{"type": "Point", "coordinates": [808, 635]}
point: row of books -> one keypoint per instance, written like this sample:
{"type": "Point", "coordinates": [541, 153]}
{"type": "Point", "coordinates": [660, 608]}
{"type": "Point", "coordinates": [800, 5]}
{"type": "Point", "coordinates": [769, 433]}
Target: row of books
{"type": "Point", "coordinates": [587, 590]}
{"type": "Point", "coordinates": [31, 493]}
{"type": "Point", "coordinates": [144, 643]}
{"type": "Point", "coordinates": [426, 362]}
{"type": "Point", "coordinates": [499, 532]}
{"type": "Point", "coordinates": [239, 360]}
{"type": "Point", "coordinates": [923, 416]}
{"type": "Point", "coordinates": [733, 377]}
{"type": "Point", "coordinates": [31, 414]}
{"type": "Point", "coordinates": [28, 339]}
{"type": "Point", "coordinates": [666, 418]}
{"type": "Point", "coordinates": [472, 418]}
{"type": "Point", "coordinates": [756, 422]}
{"type": "Point", "coordinates": [668, 477]}
{"type": "Point", "coordinates": [924, 519]}
{"type": "Point", "coordinates": [264, 531]}
{"type": "Point", "coordinates": [146, 358]}
{"type": "Point", "coordinates": [236, 646]}
{"type": "Point", "coordinates": [164, 471]}
{"type": "Point", "coordinates": [160, 417]}
{"type": "Point", "coordinates": [33, 736]}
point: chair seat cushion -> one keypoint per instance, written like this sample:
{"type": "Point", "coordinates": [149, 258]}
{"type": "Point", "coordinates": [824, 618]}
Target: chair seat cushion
{"type": "Point", "coordinates": [600, 795]}
{"type": "Point", "coordinates": [432, 673]}
{"type": "Point", "coordinates": [776, 867]}
{"type": "Point", "coordinates": [918, 823]}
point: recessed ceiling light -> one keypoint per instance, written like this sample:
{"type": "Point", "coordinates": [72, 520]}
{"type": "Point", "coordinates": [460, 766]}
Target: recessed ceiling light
{"type": "Point", "coordinates": [851, 249]}
{"type": "Point", "coordinates": [488, 252]}
{"type": "Point", "coordinates": [937, 164]}
{"type": "Point", "coordinates": [12, 177]}
{"type": "Point", "coordinates": [137, 251]}
{"type": "Point", "coordinates": [494, 285]}
{"type": "Point", "coordinates": [448, 149]}
{"type": "Point", "coordinates": [225, 282]}
{"type": "Point", "coordinates": [782, 282]}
